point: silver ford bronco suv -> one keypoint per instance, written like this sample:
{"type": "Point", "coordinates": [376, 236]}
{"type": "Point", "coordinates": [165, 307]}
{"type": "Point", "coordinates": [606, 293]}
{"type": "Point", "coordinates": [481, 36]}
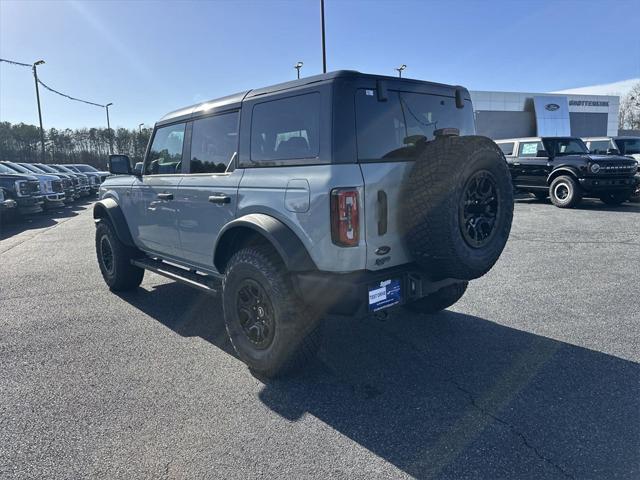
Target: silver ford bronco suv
{"type": "Point", "coordinates": [342, 193]}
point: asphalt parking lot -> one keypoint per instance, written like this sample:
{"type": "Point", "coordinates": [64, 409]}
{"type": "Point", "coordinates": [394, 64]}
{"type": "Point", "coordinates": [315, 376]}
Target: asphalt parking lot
{"type": "Point", "coordinates": [533, 374]}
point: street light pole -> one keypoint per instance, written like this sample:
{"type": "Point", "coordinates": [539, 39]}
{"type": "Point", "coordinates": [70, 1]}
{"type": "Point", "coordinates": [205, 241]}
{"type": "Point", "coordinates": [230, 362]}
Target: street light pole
{"type": "Point", "coordinates": [109, 129]}
{"type": "Point", "coordinates": [298, 66]}
{"type": "Point", "coordinates": [324, 50]}
{"type": "Point", "coordinates": [140, 127]}
{"type": "Point", "coordinates": [400, 69]}
{"type": "Point", "coordinates": [35, 77]}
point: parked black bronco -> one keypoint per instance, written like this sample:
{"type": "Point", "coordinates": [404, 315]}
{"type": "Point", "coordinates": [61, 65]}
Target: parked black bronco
{"type": "Point", "coordinates": [341, 193]}
{"type": "Point", "coordinates": [562, 168]}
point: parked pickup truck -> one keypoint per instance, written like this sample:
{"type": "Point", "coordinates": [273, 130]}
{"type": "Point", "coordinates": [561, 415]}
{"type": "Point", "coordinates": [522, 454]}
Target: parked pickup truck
{"type": "Point", "coordinates": [24, 189]}
{"type": "Point", "coordinates": [7, 206]}
{"type": "Point", "coordinates": [50, 185]}
{"type": "Point", "coordinates": [341, 193]}
{"type": "Point", "coordinates": [563, 168]}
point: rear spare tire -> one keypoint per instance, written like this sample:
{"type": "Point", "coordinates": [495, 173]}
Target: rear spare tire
{"type": "Point", "coordinates": [457, 207]}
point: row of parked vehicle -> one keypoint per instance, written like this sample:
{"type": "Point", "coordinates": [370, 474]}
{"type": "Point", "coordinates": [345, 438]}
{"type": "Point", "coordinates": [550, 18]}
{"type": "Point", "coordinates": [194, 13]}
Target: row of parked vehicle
{"type": "Point", "coordinates": [28, 188]}
{"type": "Point", "coordinates": [567, 169]}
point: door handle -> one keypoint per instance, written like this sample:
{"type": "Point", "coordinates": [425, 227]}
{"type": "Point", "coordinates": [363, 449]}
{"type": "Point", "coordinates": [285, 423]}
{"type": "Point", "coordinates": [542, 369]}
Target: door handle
{"type": "Point", "coordinates": [165, 196]}
{"type": "Point", "coordinates": [220, 198]}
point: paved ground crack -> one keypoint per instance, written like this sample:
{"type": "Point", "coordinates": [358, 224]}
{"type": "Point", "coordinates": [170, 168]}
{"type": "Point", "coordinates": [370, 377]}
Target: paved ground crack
{"type": "Point", "coordinates": [449, 378]}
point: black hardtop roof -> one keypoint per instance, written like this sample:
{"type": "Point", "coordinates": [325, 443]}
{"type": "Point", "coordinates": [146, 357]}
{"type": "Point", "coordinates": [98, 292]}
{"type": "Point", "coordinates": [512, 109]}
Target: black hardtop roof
{"type": "Point", "coordinates": [234, 101]}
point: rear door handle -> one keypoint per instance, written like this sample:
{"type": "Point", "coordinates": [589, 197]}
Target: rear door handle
{"type": "Point", "coordinates": [220, 198]}
{"type": "Point", "coordinates": [165, 196]}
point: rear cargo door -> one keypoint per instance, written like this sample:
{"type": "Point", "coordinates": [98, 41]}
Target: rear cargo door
{"type": "Point", "coordinates": [390, 133]}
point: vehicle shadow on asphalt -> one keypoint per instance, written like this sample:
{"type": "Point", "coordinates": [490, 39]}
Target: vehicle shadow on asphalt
{"type": "Point", "coordinates": [48, 218]}
{"type": "Point", "coordinates": [586, 204]}
{"type": "Point", "coordinates": [448, 395]}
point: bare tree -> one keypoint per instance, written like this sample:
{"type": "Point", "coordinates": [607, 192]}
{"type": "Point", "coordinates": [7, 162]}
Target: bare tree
{"type": "Point", "coordinates": [629, 115]}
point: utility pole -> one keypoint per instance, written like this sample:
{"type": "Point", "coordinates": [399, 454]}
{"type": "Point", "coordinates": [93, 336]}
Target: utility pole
{"type": "Point", "coordinates": [298, 66]}
{"type": "Point", "coordinates": [35, 77]}
{"type": "Point", "coordinates": [109, 129]}
{"type": "Point", "coordinates": [400, 69]}
{"type": "Point", "coordinates": [324, 50]}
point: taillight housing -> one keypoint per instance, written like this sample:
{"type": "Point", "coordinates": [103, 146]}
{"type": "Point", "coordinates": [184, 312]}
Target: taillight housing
{"type": "Point", "coordinates": [345, 218]}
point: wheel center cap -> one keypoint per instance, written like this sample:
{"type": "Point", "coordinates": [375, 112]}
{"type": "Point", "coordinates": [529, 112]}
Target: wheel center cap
{"type": "Point", "coordinates": [260, 312]}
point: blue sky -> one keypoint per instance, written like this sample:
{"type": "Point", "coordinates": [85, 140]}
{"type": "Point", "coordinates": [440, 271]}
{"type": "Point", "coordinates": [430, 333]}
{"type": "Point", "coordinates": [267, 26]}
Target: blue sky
{"type": "Point", "coordinates": [150, 57]}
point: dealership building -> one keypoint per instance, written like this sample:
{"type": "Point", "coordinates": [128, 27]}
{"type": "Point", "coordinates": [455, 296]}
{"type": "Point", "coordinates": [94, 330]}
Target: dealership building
{"type": "Point", "coordinates": [518, 114]}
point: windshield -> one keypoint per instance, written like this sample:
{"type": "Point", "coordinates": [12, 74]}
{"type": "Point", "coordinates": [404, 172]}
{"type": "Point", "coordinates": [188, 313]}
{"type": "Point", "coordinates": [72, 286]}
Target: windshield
{"type": "Point", "coordinates": [32, 168]}
{"type": "Point", "coordinates": [17, 168]}
{"type": "Point", "coordinates": [628, 146]}
{"type": "Point", "coordinates": [47, 168]}
{"type": "Point", "coordinates": [599, 147]}
{"type": "Point", "coordinates": [85, 168]}
{"type": "Point", "coordinates": [5, 169]}
{"type": "Point", "coordinates": [558, 147]}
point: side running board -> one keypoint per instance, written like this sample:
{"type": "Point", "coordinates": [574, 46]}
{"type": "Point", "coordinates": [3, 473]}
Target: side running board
{"type": "Point", "coordinates": [205, 283]}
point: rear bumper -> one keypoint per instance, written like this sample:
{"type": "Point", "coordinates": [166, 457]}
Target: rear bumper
{"type": "Point", "coordinates": [348, 293]}
{"type": "Point", "coordinates": [607, 184]}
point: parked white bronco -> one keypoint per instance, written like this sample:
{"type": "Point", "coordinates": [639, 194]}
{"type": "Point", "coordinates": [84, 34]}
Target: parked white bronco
{"type": "Point", "coordinates": [341, 193]}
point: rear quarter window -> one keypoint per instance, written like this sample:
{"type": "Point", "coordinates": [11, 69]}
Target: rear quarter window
{"type": "Point", "coordinates": [507, 148]}
{"type": "Point", "coordinates": [286, 129]}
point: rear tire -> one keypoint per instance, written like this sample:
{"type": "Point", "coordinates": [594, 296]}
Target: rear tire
{"type": "Point", "coordinates": [616, 198]}
{"type": "Point", "coordinates": [114, 259]}
{"type": "Point", "coordinates": [565, 192]}
{"type": "Point", "coordinates": [438, 301]}
{"type": "Point", "coordinates": [270, 328]}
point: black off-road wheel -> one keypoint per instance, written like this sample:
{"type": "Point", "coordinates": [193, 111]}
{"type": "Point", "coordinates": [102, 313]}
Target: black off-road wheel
{"type": "Point", "coordinates": [616, 198]}
{"type": "Point", "coordinates": [114, 259]}
{"type": "Point", "coordinates": [457, 207]}
{"type": "Point", "coordinates": [438, 301]}
{"type": "Point", "coordinates": [565, 192]}
{"type": "Point", "coordinates": [270, 328]}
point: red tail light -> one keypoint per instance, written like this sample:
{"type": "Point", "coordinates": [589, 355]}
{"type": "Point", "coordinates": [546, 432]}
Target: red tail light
{"type": "Point", "coordinates": [345, 220]}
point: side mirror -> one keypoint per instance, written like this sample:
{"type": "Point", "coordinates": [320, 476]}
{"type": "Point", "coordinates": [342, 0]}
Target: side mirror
{"type": "Point", "coordinates": [119, 165]}
{"type": "Point", "coordinates": [137, 169]}
{"type": "Point", "coordinates": [613, 151]}
{"type": "Point", "coordinates": [542, 153]}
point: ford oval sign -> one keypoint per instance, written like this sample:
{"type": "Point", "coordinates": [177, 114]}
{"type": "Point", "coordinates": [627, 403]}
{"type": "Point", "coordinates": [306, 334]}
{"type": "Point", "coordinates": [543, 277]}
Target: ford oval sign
{"type": "Point", "coordinates": [552, 107]}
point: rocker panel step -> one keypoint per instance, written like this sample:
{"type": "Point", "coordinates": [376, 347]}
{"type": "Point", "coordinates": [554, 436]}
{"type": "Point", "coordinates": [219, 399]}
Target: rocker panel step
{"type": "Point", "coordinates": [205, 283]}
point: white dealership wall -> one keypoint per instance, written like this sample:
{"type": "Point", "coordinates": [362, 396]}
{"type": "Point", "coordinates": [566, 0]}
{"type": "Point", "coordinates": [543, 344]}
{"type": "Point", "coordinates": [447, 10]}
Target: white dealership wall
{"type": "Point", "coordinates": [592, 114]}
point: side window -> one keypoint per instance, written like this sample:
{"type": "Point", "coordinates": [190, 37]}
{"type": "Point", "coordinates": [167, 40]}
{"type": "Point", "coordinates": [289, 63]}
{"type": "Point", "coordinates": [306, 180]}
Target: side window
{"type": "Point", "coordinates": [530, 149]}
{"type": "Point", "coordinates": [165, 156]}
{"type": "Point", "coordinates": [286, 129]}
{"type": "Point", "coordinates": [214, 140]}
{"type": "Point", "coordinates": [507, 148]}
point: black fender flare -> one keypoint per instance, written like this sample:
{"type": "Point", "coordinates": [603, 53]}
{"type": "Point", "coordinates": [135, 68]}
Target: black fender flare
{"type": "Point", "coordinates": [108, 208]}
{"type": "Point", "coordinates": [290, 248]}
{"type": "Point", "coordinates": [562, 171]}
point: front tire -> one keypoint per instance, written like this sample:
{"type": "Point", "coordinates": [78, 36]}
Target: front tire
{"type": "Point", "coordinates": [440, 300]}
{"type": "Point", "coordinates": [565, 192]}
{"type": "Point", "coordinates": [270, 328]}
{"type": "Point", "coordinates": [114, 259]}
{"type": "Point", "coordinates": [616, 198]}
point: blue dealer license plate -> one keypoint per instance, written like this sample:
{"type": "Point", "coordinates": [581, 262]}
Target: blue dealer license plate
{"type": "Point", "coordinates": [384, 294]}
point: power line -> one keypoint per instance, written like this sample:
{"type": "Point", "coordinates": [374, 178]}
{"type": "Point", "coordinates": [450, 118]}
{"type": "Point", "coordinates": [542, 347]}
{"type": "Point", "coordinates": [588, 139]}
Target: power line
{"type": "Point", "coordinates": [68, 96]}
{"type": "Point", "coordinates": [13, 62]}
